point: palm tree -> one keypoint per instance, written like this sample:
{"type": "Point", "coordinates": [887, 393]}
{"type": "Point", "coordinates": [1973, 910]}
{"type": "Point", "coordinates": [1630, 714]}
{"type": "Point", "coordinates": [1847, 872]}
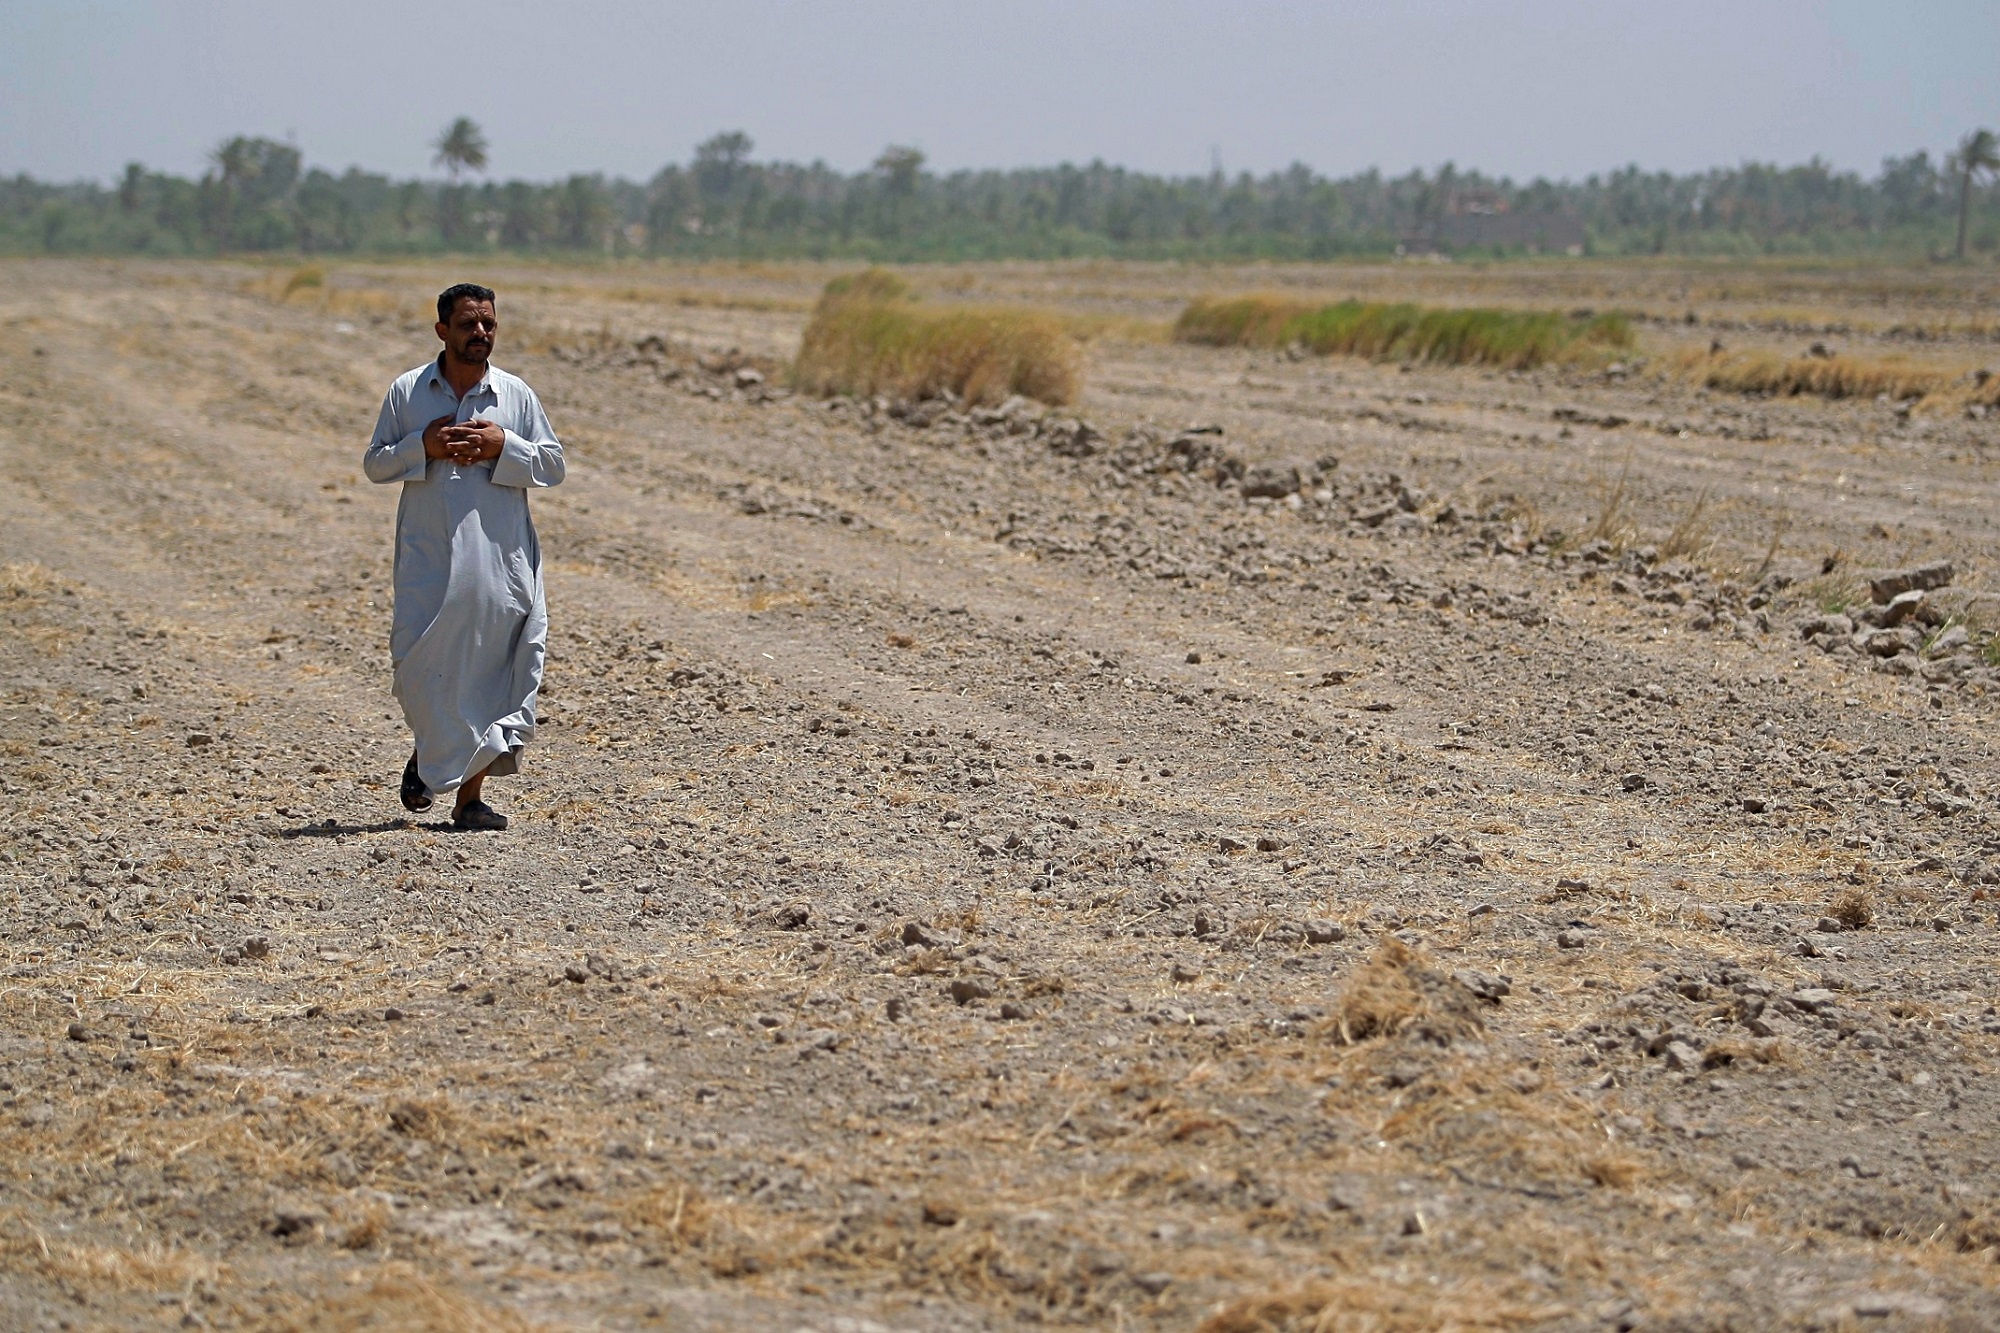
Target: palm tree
{"type": "Point", "coordinates": [249, 173]}
{"type": "Point", "coordinates": [899, 164]}
{"type": "Point", "coordinates": [462, 147]}
{"type": "Point", "coordinates": [718, 162]}
{"type": "Point", "coordinates": [1978, 151]}
{"type": "Point", "coordinates": [236, 160]}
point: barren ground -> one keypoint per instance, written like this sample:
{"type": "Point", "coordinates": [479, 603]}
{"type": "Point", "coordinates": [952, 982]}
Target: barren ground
{"type": "Point", "coordinates": [966, 883]}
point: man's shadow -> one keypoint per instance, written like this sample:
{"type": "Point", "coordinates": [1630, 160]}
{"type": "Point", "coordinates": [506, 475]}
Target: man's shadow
{"type": "Point", "coordinates": [335, 828]}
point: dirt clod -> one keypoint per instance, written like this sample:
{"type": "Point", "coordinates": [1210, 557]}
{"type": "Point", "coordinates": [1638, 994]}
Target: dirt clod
{"type": "Point", "coordinates": [964, 990]}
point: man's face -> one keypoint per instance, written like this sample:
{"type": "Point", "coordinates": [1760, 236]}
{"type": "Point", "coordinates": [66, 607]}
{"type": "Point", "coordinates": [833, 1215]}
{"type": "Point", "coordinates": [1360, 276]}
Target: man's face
{"type": "Point", "coordinates": [468, 335]}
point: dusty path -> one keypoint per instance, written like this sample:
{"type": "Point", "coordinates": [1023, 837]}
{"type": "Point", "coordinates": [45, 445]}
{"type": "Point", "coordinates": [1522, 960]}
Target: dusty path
{"type": "Point", "coordinates": [932, 901]}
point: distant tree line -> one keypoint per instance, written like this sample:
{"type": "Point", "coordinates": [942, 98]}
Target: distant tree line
{"type": "Point", "coordinates": [257, 195]}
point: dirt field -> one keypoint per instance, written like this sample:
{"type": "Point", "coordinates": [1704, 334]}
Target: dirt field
{"type": "Point", "coordinates": [1387, 857]}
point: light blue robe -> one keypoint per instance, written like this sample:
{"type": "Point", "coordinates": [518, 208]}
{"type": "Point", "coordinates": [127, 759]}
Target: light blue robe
{"type": "Point", "coordinates": [471, 626]}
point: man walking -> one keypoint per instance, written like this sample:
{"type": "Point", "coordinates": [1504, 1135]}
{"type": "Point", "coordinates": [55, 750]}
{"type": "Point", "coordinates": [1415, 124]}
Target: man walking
{"type": "Point", "coordinates": [468, 441]}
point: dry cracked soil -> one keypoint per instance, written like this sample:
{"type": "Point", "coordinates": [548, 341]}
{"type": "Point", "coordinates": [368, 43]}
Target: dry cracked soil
{"type": "Point", "coordinates": [1281, 844]}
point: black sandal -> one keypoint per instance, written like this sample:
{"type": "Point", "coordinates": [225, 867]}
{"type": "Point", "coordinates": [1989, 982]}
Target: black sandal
{"type": "Point", "coordinates": [477, 816]}
{"type": "Point", "coordinates": [416, 796]}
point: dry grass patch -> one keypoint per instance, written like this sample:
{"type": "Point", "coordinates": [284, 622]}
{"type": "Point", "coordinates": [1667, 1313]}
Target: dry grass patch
{"type": "Point", "coordinates": [1490, 1124]}
{"type": "Point", "coordinates": [1833, 376]}
{"type": "Point", "coordinates": [316, 287]}
{"type": "Point", "coordinates": [1853, 907]}
{"type": "Point", "coordinates": [1692, 534]}
{"type": "Point", "coordinates": [400, 1300]}
{"type": "Point", "coordinates": [152, 1266]}
{"type": "Point", "coordinates": [687, 298]}
{"type": "Point", "coordinates": [30, 581]}
{"type": "Point", "coordinates": [1091, 327]}
{"type": "Point", "coordinates": [370, 303]}
{"type": "Point", "coordinates": [1980, 1235]}
{"type": "Point", "coordinates": [1061, 1271]}
{"type": "Point", "coordinates": [869, 336]}
{"type": "Point", "coordinates": [306, 277]}
{"type": "Point", "coordinates": [1359, 1305]}
{"type": "Point", "coordinates": [1397, 991]}
{"type": "Point", "coordinates": [1511, 339]}
{"type": "Point", "coordinates": [676, 1220]}
{"type": "Point", "coordinates": [1614, 524]}
{"type": "Point", "coordinates": [1483, 1120]}
{"type": "Point", "coordinates": [1746, 1050]}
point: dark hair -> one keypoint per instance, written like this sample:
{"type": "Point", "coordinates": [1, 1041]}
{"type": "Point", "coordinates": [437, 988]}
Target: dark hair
{"type": "Point", "coordinates": [449, 298]}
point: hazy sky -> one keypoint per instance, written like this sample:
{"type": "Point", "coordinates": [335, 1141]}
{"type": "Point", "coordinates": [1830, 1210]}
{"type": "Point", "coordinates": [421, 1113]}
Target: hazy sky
{"type": "Point", "coordinates": [1536, 87]}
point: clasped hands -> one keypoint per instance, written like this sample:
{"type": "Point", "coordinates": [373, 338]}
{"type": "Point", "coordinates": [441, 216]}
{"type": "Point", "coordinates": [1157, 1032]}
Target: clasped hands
{"type": "Point", "coordinates": [474, 441]}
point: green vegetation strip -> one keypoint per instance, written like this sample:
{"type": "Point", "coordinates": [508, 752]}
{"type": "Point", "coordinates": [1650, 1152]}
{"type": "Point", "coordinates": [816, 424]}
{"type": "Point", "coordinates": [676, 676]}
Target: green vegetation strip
{"type": "Point", "coordinates": [1512, 339]}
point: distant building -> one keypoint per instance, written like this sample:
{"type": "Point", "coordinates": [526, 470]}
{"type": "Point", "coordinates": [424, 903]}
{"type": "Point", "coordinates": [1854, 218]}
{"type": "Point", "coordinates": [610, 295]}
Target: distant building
{"type": "Point", "coordinates": [1482, 220]}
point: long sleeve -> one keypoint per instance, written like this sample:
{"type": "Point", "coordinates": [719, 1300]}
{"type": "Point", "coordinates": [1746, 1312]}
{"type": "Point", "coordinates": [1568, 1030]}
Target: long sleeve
{"type": "Point", "coordinates": [533, 458]}
{"type": "Point", "coordinates": [394, 455]}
